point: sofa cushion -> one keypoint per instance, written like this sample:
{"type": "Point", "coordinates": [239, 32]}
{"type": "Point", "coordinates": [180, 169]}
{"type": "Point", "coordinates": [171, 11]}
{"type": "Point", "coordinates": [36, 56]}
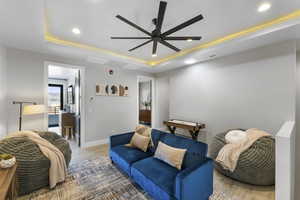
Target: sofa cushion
{"type": "Point", "coordinates": [143, 130]}
{"type": "Point", "coordinates": [196, 151]}
{"type": "Point", "coordinates": [139, 141]}
{"type": "Point", "coordinates": [124, 156]}
{"type": "Point", "coordinates": [172, 156]}
{"type": "Point", "coordinates": [155, 137]}
{"type": "Point", "coordinates": [155, 176]}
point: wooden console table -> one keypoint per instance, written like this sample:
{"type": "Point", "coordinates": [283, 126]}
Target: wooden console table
{"type": "Point", "coordinates": [193, 127]}
{"type": "Point", "coordinates": [8, 183]}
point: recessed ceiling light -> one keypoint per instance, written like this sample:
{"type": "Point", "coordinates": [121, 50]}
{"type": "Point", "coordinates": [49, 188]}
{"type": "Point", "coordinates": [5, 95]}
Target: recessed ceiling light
{"type": "Point", "coordinates": [154, 55]}
{"type": "Point", "coordinates": [264, 7]}
{"type": "Point", "coordinates": [190, 61]}
{"type": "Point", "coordinates": [189, 40]}
{"type": "Point", "coordinates": [76, 31]}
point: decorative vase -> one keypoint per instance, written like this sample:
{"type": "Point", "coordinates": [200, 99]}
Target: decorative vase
{"type": "Point", "coordinates": [7, 163]}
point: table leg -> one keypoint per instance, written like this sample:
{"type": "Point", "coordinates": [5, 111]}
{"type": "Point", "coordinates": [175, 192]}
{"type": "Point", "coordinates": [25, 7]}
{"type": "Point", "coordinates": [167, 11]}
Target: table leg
{"type": "Point", "coordinates": [13, 188]}
{"type": "Point", "coordinates": [172, 130]}
{"type": "Point", "coordinates": [194, 134]}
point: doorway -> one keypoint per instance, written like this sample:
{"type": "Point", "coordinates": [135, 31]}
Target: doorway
{"type": "Point", "coordinates": [145, 101]}
{"type": "Point", "coordinates": [64, 96]}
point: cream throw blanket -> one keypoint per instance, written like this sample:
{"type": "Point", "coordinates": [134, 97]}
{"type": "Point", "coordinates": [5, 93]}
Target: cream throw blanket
{"type": "Point", "coordinates": [229, 155]}
{"type": "Point", "coordinates": [58, 167]}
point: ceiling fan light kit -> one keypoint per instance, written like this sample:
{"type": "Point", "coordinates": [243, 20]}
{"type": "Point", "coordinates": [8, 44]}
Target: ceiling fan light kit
{"type": "Point", "coordinates": [156, 36]}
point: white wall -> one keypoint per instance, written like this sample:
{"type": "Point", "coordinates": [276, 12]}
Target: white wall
{"type": "Point", "coordinates": [25, 81]}
{"type": "Point", "coordinates": [251, 89]}
{"type": "Point", "coordinates": [297, 181]}
{"type": "Point", "coordinates": [162, 99]}
{"type": "Point", "coordinates": [285, 162]}
{"type": "Point", "coordinates": [104, 115]}
{"type": "Point", "coordinates": [3, 93]}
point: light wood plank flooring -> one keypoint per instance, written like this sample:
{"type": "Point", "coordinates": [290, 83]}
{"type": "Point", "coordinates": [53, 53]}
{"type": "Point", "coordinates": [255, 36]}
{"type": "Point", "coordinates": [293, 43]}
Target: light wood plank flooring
{"type": "Point", "coordinates": [233, 189]}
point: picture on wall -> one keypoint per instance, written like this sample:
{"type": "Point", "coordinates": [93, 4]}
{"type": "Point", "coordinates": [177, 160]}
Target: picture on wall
{"type": "Point", "coordinates": [123, 91]}
{"type": "Point", "coordinates": [101, 90]}
{"type": "Point", "coordinates": [126, 94]}
{"type": "Point", "coordinates": [112, 90]}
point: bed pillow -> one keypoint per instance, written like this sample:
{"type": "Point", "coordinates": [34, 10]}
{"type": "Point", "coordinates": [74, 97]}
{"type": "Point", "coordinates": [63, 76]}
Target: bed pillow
{"type": "Point", "coordinates": [170, 155]}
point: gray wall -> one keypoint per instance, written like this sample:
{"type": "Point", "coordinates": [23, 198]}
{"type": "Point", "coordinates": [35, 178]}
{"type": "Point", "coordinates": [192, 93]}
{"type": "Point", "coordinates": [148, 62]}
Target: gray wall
{"type": "Point", "coordinates": [104, 115]}
{"type": "Point", "coordinates": [3, 96]}
{"type": "Point", "coordinates": [255, 88]}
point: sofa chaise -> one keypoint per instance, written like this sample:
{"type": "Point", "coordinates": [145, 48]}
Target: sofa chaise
{"type": "Point", "coordinates": [160, 180]}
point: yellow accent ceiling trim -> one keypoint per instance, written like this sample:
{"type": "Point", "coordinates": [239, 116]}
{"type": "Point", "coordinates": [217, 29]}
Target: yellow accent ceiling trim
{"type": "Point", "coordinates": [53, 39]}
{"type": "Point", "coordinates": [58, 41]}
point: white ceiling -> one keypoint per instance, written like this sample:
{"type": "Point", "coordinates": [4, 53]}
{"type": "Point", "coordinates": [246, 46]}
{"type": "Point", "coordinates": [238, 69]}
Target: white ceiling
{"type": "Point", "coordinates": [22, 26]}
{"type": "Point", "coordinates": [97, 20]}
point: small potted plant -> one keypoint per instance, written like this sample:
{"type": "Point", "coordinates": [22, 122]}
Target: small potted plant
{"type": "Point", "coordinates": [7, 161]}
{"type": "Point", "coordinates": [147, 105]}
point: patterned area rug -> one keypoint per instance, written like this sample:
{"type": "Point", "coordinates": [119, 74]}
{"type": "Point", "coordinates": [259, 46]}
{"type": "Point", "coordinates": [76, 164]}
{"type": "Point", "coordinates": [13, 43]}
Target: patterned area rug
{"type": "Point", "coordinates": [96, 179]}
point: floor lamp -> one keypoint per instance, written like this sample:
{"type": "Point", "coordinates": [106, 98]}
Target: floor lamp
{"type": "Point", "coordinates": [32, 109]}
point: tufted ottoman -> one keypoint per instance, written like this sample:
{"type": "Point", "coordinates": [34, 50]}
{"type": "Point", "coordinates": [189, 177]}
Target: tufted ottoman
{"type": "Point", "coordinates": [33, 166]}
{"type": "Point", "coordinates": [255, 166]}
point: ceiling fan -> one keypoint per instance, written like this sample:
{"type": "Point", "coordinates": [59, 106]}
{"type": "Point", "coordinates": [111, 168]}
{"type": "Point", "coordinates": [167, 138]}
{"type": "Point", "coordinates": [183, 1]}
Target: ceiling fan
{"type": "Point", "coordinates": [156, 36]}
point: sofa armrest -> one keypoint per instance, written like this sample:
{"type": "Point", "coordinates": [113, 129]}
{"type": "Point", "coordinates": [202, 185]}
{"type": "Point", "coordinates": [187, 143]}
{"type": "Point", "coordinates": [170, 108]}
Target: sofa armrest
{"type": "Point", "coordinates": [120, 139]}
{"type": "Point", "coordinates": [195, 182]}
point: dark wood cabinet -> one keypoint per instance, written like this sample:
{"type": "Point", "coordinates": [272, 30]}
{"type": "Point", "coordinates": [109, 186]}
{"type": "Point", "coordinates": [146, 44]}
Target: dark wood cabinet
{"type": "Point", "coordinates": [145, 116]}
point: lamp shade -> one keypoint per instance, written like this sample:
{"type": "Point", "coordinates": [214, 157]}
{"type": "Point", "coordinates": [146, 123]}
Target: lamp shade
{"type": "Point", "coordinates": [34, 109]}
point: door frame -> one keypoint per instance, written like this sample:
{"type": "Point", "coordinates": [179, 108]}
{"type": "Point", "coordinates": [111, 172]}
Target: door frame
{"type": "Point", "coordinates": [82, 97]}
{"type": "Point", "coordinates": [153, 98]}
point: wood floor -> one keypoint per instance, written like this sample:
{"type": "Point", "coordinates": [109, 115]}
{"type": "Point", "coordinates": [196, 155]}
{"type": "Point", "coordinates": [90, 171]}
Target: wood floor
{"type": "Point", "coordinates": [233, 189]}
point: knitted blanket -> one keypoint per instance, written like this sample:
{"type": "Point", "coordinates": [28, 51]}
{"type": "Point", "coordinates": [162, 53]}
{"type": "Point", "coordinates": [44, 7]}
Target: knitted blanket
{"type": "Point", "coordinates": [58, 167]}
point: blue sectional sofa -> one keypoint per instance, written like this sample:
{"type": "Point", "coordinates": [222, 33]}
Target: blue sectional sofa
{"type": "Point", "coordinates": [162, 181]}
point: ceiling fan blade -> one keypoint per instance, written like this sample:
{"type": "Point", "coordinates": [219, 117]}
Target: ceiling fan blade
{"type": "Point", "coordinates": [140, 45]}
{"type": "Point", "coordinates": [161, 15]}
{"type": "Point", "coordinates": [169, 45]}
{"type": "Point", "coordinates": [183, 25]}
{"type": "Point", "coordinates": [154, 49]}
{"type": "Point", "coordinates": [183, 38]}
{"type": "Point", "coordinates": [133, 25]}
{"type": "Point", "coordinates": [130, 37]}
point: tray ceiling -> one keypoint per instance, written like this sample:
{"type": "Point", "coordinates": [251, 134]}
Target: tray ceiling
{"type": "Point", "coordinates": [97, 22]}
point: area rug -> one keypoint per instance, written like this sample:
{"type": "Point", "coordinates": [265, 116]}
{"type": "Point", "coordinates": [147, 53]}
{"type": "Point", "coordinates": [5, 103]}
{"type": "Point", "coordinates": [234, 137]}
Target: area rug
{"type": "Point", "coordinates": [96, 179]}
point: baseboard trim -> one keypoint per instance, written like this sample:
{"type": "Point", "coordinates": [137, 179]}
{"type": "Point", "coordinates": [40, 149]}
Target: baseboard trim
{"type": "Point", "coordinates": [95, 143]}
